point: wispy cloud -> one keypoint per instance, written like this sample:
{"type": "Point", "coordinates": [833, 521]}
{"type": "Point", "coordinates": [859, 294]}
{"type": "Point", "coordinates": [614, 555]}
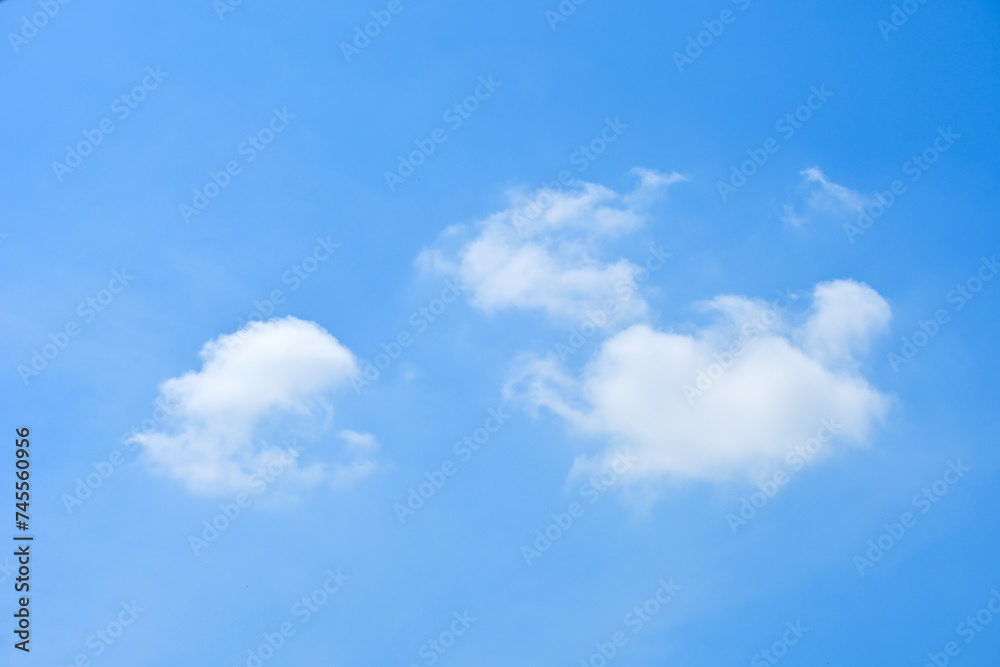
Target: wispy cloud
{"type": "Point", "coordinates": [821, 196]}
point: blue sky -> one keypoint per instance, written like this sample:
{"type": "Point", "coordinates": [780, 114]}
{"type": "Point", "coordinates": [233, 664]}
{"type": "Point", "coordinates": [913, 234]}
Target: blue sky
{"type": "Point", "coordinates": [571, 290]}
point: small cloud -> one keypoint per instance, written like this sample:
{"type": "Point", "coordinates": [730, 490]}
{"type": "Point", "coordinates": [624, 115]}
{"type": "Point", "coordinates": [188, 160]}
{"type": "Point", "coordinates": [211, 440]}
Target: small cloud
{"type": "Point", "coordinates": [824, 197]}
{"type": "Point", "coordinates": [651, 184]}
{"type": "Point", "coordinates": [409, 372]}
{"type": "Point", "coordinates": [360, 442]}
{"type": "Point", "coordinates": [267, 382]}
{"type": "Point", "coordinates": [791, 217]}
{"type": "Point", "coordinates": [361, 448]}
{"type": "Point", "coordinates": [830, 195]}
{"type": "Point", "coordinates": [543, 252]}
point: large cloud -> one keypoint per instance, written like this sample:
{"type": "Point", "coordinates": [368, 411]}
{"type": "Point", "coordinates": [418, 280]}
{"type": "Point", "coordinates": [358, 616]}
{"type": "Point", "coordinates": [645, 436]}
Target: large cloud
{"type": "Point", "coordinates": [729, 399]}
{"type": "Point", "coordinates": [543, 252]}
{"type": "Point", "coordinates": [259, 386]}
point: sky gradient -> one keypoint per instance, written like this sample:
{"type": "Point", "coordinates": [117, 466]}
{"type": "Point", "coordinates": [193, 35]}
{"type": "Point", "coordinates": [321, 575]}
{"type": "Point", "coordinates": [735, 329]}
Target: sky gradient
{"type": "Point", "coordinates": [523, 333]}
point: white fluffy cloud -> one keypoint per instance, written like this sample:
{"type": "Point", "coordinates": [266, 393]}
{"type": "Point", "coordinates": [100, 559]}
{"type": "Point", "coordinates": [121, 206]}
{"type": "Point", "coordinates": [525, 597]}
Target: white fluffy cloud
{"type": "Point", "coordinates": [729, 399]}
{"type": "Point", "coordinates": [265, 381]}
{"type": "Point", "coordinates": [543, 253]}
